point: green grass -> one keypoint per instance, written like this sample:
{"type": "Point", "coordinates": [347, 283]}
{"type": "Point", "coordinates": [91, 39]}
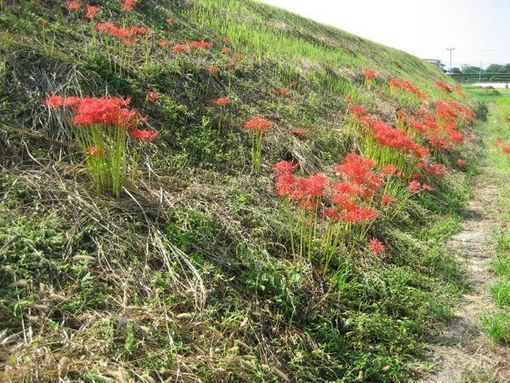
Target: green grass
{"type": "Point", "coordinates": [501, 292]}
{"type": "Point", "coordinates": [497, 324]}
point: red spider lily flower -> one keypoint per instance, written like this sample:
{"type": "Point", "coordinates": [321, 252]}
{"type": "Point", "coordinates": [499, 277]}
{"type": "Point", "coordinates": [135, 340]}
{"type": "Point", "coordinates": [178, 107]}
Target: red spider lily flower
{"type": "Point", "coordinates": [223, 101]}
{"type": "Point", "coordinates": [153, 96]}
{"type": "Point", "coordinates": [459, 90]}
{"type": "Point", "coordinates": [389, 169]}
{"type": "Point", "coordinates": [387, 199]}
{"type": "Point", "coordinates": [108, 111]}
{"type": "Point", "coordinates": [438, 170]}
{"type": "Point", "coordinates": [225, 50]}
{"type": "Point", "coordinates": [332, 213]}
{"type": "Point", "coordinates": [171, 20]}
{"type": "Point", "coordinates": [128, 5]}
{"type": "Point", "coordinates": [356, 167]}
{"type": "Point", "coordinates": [370, 74]}
{"type": "Point", "coordinates": [125, 34]}
{"type": "Point", "coordinates": [299, 131]}
{"type": "Point", "coordinates": [461, 162]}
{"type": "Point", "coordinates": [397, 138]}
{"type": "Point", "coordinates": [143, 135]}
{"type": "Point", "coordinates": [91, 110]}
{"type": "Point", "coordinates": [316, 184]}
{"type": "Point", "coordinates": [212, 68]}
{"type": "Point", "coordinates": [285, 184]}
{"type": "Point", "coordinates": [56, 100]}
{"type": "Point", "coordinates": [179, 48]}
{"type": "Point", "coordinates": [238, 56]}
{"type": "Point", "coordinates": [284, 167]}
{"type": "Point", "coordinates": [200, 44]}
{"type": "Point", "coordinates": [506, 149]}
{"type": "Point", "coordinates": [91, 11]}
{"type": "Point", "coordinates": [427, 187]}
{"type": "Point", "coordinates": [73, 5]}
{"type": "Point", "coordinates": [230, 64]}
{"type": "Point", "coordinates": [258, 123]}
{"type": "Point", "coordinates": [129, 40]}
{"type": "Point", "coordinates": [499, 142]}
{"type": "Point", "coordinates": [416, 176]}
{"type": "Point", "coordinates": [104, 111]}
{"type": "Point", "coordinates": [139, 30]}
{"type": "Point", "coordinates": [444, 86]}
{"type": "Point", "coordinates": [164, 42]}
{"type": "Point", "coordinates": [407, 86]}
{"type": "Point", "coordinates": [95, 151]}
{"type": "Point", "coordinates": [421, 165]}
{"type": "Point", "coordinates": [376, 246]}
{"type": "Point", "coordinates": [348, 188]}
{"type": "Point", "coordinates": [283, 91]}
{"type": "Point", "coordinates": [360, 214]}
{"type": "Point", "coordinates": [414, 186]}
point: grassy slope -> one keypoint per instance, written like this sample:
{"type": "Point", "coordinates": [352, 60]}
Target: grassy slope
{"type": "Point", "coordinates": [187, 276]}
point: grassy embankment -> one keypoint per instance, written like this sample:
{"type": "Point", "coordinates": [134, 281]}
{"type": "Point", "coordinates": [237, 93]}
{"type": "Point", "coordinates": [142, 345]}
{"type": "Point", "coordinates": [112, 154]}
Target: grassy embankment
{"type": "Point", "coordinates": [189, 275]}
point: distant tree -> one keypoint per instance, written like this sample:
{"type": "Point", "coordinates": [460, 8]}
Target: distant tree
{"type": "Point", "coordinates": [495, 68]}
{"type": "Point", "coordinates": [468, 69]}
{"type": "Point", "coordinates": [455, 71]}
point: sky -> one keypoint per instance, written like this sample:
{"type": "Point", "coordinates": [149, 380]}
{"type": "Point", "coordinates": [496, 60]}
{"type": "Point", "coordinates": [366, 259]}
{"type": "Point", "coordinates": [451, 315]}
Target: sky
{"type": "Point", "coordinates": [479, 30]}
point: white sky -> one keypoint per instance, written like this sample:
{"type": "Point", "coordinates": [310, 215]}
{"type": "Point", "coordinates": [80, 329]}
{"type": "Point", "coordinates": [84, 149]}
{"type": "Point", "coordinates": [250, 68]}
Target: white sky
{"type": "Point", "coordinates": [478, 29]}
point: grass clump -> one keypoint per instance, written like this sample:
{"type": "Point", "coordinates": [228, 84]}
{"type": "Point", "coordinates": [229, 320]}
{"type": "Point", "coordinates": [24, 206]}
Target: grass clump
{"type": "Point", "coordinates": [497, 326]}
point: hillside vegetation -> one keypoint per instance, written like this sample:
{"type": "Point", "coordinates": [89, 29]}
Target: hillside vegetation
{"type": "Point", "coordinates": [226, 193]}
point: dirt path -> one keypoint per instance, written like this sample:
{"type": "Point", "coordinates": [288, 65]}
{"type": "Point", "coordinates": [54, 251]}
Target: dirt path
{"type": "Point", "coordinates": [462, 346]}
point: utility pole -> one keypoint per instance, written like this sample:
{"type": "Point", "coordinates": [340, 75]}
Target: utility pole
{"type": "Point", "coordinates": [451, 51]}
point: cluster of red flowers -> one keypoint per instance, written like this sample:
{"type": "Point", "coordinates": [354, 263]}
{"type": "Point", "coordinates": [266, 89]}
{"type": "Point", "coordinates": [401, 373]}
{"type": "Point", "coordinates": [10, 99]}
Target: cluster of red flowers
{"type": "Point", "coordinates": [501, 143]}
{"type": "Point", "coordinates": [180, 48]}
{"type": "Point", "coordinates": [125, 34]}
{"type": "Point", "coordinates": [407, 86]}
{"type": "Point", "coordinates": [128, 5]}
{"type": "Point", "coordinates": [345, 200]}
{"type": "Point", "coordinates": [90, 10]}
{"type": "Point", "coordinates": [299, 131]}
{"type": "Point", "coordinates": [369, 74]}
{"type": "Point", "coordinates": [258, 123]}
{"type": "Point", "coordinates": [73, 5]}
{"type": "Point", "coordinates": [387, 135]}
{"type": "Point", "coordinates": [104, 111]}
{"type": "Point", "coordinates": [362, 115]}
{"type": "Point", "coordinates": [153, 96]}
{"type": "Point", "coordinates": [444, 86]}
{"type": "Point", "coordinates": [200, 44]}
{"type": "Point", "coordinates": [223, 101]}
{"type": "Point", "coordinates": [283, 91]}
{"type": "Point", "coordinates": [305, 191]}
{"type": "Point", "coordinates": [376, 246]}
{"type": "Point", "coordinates": [441, 128]}
{"type": "Point", "coordinates": [397, 138]}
